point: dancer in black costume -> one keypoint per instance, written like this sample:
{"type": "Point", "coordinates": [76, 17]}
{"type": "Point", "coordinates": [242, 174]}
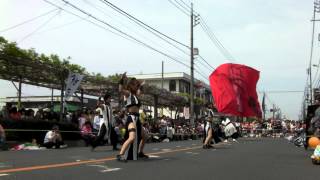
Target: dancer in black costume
{"type": "Point", "coordinates": [132, 148]}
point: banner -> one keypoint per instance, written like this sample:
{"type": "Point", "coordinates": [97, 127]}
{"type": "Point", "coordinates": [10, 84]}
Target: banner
{"type": "Point", "coordinates": [233, 88]}
{"type": "Point", "coordinates": [72, 84]}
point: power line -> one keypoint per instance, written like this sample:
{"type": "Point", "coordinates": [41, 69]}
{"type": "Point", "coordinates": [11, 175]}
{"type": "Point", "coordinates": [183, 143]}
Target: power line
{"type": "Point", "coordinates": [185, 4]}
{"type": "Point", "coordinates": [40, 27]}
{"type": "Point", "coordinates": [60, 26]}
{"type": "Point", "coordinates": [141, 23]}
{"type": "Point", "coordinates": [200, 73]}
{"type": "Point", "coordinates": [109, 16]}
{"type": "Point", "coordinates": [86, 19]}
{"type": "Point", "coordinates": [206, 62]}
{"type": "Point", "coordinates": [182, 6]}
{"type": "Point", "coordinates": [283, 91]}
{"type": "Point", "coordinates": [123, 33]}
{"type": "Point", "coordinates": [138, 33]}
{"type": "Point", "coordinates": [145, 26]}
{"type": "Point", "coordinates": [202, 63]}
{"type": "Point", "coordinates": [215, 40]}
{"type": "Point", "coordinates": [181, 9]}
{"type": "Point", "coordinates": [27, 21]}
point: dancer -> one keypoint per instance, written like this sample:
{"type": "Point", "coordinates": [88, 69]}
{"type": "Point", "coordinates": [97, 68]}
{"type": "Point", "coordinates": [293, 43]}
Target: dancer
{"type": "Point", "coordinates": [134, 139]}
{"type": "Point", "coordinates": [207, 133]}
{"type": "Point", "coordinates": [104, 130]}
{"type": "Point", "coordinates": [230, 130]}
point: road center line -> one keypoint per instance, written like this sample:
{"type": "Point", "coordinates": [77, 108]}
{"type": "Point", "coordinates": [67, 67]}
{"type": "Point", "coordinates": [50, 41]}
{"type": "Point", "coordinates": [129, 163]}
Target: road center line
{"type": "Point", "coordinates": [49, 166]}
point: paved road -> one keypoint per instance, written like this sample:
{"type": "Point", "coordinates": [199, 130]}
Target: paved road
{"type": "Point", "coordinates": [255, 159]}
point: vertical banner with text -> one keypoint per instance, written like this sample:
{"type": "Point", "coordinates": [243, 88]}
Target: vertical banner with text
{"type": "Point", "coordinates": [72, 84]}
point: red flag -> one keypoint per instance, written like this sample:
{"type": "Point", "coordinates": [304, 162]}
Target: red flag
{"type": "Point", "coordinates": [233, 88]}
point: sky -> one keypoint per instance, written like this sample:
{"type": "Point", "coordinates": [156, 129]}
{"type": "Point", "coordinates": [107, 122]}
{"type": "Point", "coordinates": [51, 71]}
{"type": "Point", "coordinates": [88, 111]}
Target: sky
{"type": "Point", "coordinates": [271, 36]}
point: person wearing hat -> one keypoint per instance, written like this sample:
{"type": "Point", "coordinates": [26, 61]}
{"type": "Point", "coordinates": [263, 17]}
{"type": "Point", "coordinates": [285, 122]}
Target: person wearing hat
{"type": "Point", "coordinates": [53, 139]}
{"type": "Point", "coordinates": [97, 120]}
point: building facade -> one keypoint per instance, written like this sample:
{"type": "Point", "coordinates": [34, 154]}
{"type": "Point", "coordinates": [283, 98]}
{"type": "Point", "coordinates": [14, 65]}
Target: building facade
{"type": "Point", "coordinates": [178, 82]}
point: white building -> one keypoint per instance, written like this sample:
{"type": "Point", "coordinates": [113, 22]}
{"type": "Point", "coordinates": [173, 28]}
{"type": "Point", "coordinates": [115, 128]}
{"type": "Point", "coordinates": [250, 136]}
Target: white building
{"type": "Point", "coordinates": [177, 82]}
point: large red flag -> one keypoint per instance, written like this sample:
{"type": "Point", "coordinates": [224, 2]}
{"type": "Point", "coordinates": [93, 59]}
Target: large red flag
{"type": "Point", "coordinates": [233, 88]}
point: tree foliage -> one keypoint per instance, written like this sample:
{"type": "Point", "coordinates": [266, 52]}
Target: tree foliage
{"type": "Point", "coordinates": [11, 49]}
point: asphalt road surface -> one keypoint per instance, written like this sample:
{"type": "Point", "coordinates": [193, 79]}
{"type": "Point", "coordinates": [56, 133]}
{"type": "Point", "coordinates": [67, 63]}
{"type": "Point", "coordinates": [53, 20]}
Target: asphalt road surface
{"type": "Point", "coordinates": [256, 159]}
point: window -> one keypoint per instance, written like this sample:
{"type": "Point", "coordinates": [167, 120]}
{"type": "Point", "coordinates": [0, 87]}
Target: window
{"type": "Point", "coordinates": [172, 85]}
{"type": "Point", "coordinates": [184, 86]}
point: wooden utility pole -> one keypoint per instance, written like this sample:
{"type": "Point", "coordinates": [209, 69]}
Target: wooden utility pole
{"type": "Point", "coordinates": [62, 100]}
{"type": "Point", "coordinates": [162, 79]}
{"type": "Point", "coordinates": [52, 105]}
{"type": "Point", "coordinates": [19, 93]}
{"type": "Point", "coordinates": [191, 72]}
{"type": "Point", "coordinates": [311, 54]}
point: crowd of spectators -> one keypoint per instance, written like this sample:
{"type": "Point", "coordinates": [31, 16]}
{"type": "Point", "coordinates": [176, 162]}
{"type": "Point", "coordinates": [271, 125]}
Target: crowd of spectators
{"type": "Point", "coordinates": [271, 128]}
{"type": "Point", "coordinates": [164, 128]}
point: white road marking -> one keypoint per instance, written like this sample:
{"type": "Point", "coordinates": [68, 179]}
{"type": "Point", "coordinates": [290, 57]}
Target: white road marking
{"type": "Point", "coordinates": [155, 149]}
{"type": "Point", "coordinates": [105, 168]}
{"type": "Point", "coordinates": [96, 165]}
{"type": "Point", "coordinates": [166, 149]}
{"type": "Point", "coordinates": [4, 174]}
{"type": "Point", "coordinates": [178, 146]}
{"type": "Point", "coordinates": [111, 169]}
{"type": "Point", "coordinates": [78, 160]}
{"type": "Point", "coordinates": [192, 153]}
{"type": "Point", "coordinates": [153, 156]}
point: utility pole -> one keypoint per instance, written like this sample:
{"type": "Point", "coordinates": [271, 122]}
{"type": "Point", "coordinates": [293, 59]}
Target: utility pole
{"type": "Point", "coordinates": [162, 85]}
{"type": "Point", "coordinates": [191, 73]}
{"type": "Point", "coordinates": [62, 100]}
{"type": "Point", "coordinates": [311, 53]}
{"type": "Point", "coordinates": [52, 105]}
{"type": "Point", "coordinates": [264, 106]}
{"type": "Point", "coordinates": [162, 76]}
{"type": "Point", "coordinates": [19, 93]}
{"type": "Point", "coordinates": [273, 111]}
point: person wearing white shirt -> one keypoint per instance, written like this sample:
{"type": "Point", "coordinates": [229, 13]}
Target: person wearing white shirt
{"type": "Point", "coordinates": [53, 139]}
{"type": "Point", "coordinates": [229, 130]}
{"type": "Point", "coordinates": [97, 120]}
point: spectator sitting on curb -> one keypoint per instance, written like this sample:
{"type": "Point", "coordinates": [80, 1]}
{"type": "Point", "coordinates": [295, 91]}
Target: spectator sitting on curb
{"type": "Point", "coordinates": [53, 138]}
{"type": "Point", "coordinates": [86, 133]}
{"type": "Point", "coordinates": [2, 138]}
